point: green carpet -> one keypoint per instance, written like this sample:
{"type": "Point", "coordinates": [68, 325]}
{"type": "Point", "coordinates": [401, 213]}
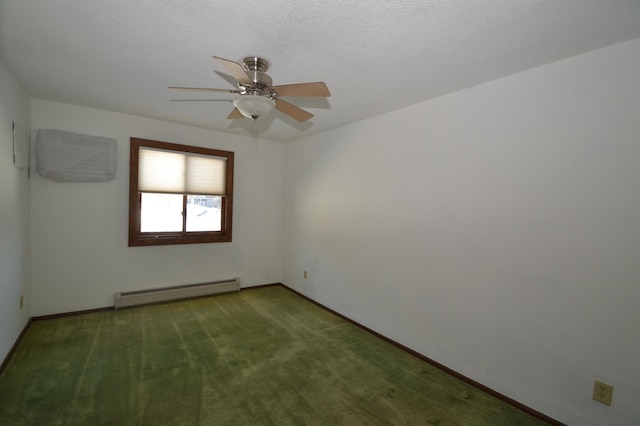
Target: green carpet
{"type": "Point", "coordinates": [261, 356]}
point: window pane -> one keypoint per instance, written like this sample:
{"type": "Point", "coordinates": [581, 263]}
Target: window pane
{"type": "Point", "coordinates": [205, 175]}
{"type": "Point", "coordinates": [203, 213]}
{"type": "Point", "coordinates": [161, 171]}
{"type": "Point", "coordinates": [178, 172]}
{"type": "Point", "coordinates": [161, 212]}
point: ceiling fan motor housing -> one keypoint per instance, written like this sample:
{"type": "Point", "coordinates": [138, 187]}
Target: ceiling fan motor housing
{"type": "Point", "coordinates": [256, 70]}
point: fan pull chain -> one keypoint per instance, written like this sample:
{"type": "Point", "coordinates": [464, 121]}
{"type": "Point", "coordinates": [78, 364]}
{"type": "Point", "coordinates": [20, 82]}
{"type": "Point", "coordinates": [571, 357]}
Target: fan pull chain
{"type": "Point", "coordinates": [255, 134]}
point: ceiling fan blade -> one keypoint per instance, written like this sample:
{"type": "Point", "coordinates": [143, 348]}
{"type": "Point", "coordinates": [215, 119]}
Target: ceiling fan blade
{"type": "Point", "coordinates": [292, 110]}
{"type": "Point", "coordinates": [235, 114]}
{"type": "Point", "coordinates": [235, 69]}
{"type": "Point", "coordinates": [199, 100]}
{"type": "Point", "coordinates": [203, 89]}
{"type": "Point", "coordinates": [303, 89]}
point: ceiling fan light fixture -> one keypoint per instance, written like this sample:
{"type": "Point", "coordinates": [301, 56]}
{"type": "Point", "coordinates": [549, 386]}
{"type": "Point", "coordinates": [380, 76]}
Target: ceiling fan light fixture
{"type": "Point", "coordinates": [254, 106]}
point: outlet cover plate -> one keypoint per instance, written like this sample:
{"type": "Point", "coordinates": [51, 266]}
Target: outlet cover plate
{"type": "Point", "coordinates": [602, 392]}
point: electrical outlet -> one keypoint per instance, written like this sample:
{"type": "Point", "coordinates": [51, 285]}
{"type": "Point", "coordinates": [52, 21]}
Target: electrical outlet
{"type": "Point", "coordinates": [602, 392]}
{"type": "Point", "coordinates": [21, 302]}
{"type": "Point", "coordinates": [305, 275]}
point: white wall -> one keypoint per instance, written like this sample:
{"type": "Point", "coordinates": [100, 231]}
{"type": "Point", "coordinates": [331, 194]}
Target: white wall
{"type": "Point", "coordinates": [14, 215]}
{"type": "Point", "coordinates": [79, 230]}
{"type": "Point", "coordinates": [495, 230]}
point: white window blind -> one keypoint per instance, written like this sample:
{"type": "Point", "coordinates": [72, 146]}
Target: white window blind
{"type": "Point", "coordinates": [180, 173]}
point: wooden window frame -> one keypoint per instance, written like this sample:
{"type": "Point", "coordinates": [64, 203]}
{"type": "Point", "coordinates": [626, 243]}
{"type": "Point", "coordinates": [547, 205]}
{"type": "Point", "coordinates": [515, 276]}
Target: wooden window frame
{"type": "Point", "coordinates": [138, 238]}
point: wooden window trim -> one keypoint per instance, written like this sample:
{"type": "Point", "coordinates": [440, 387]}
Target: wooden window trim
{"type": "Point", "coordinates": [137, 238]}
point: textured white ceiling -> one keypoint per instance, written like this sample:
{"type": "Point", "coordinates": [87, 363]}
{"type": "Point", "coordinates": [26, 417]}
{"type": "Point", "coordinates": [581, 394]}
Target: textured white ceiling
{"type": "Point", "coordinates": [374, 55]}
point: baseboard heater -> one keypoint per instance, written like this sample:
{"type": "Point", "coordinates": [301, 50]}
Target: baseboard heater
{"type": "Point", "coordinates": [155, 295]}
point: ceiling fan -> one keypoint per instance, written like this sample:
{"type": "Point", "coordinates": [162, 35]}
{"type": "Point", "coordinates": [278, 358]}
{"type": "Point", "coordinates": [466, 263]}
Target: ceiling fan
{"type": "Point", "coordinates": [257, 96]}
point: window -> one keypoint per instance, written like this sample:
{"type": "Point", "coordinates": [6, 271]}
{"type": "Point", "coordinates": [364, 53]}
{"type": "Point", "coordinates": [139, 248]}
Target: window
{"type": "Point", "coordinates": [179, 194]}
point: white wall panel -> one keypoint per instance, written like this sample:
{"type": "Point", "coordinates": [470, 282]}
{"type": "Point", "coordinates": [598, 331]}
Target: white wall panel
{"type": "Point", "coordinates": [79, 230]}
{"type": "Point", "coordinates": [494, 230]}
{"type": "Point", "coordinates": [14, 213]}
